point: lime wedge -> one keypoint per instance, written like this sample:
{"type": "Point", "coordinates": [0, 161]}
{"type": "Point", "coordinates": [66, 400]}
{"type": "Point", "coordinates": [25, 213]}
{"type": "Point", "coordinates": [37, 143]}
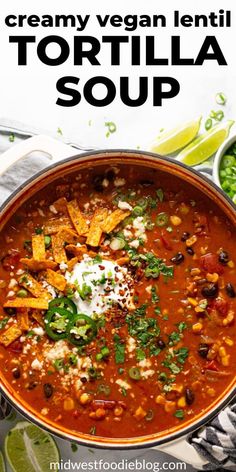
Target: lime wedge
{"type": "Point", "coordinates": [177, 138]}
{"type": "Point", "coordinates": [2, 463]}
{"type": "Point", "coordinates": [29, 449]}
{"type": "Point", "coordinates": [205, 145]}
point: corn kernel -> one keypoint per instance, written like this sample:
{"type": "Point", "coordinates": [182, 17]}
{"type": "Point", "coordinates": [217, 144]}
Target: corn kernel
{"type": "Point", "coordinates": [85, 398]}
{"type": "Point", "coordinates": [169, 407]}
{"type": "Point", "coordinates": [140, 413]}
{"type": "Point", "coordinates": [222, 352]}
{"type": "Point", "coordinates": [230, 264]}
{"type": "Point", "coordinates": [160, 400]}
{"type": "Point", "coordinates": [177, 388]}
{"type": "Point", "coordinates": [68, 404]}
{"type": "Point", "coordinates": [195, 271]}
{"type": "Point", "coordinates": [175, 220]}
{"type": "Point", "coordinates": [184, 209]}
{"type": "Point", "coordinates": [197, 327]}
{"type": "Point", "coordinates": [225, 360]}
{"type": "Point", "coordinates": [191, 241]}
{"type": "Point", "coordinates": [192, 301]}
{"type": "Point", "coordinates": [212, 277]}
{"type": "Point", "coordinates": [229, 341]}
{"type": "Point", "coordinates": [211, 392]}
{"type": "Point", "coordinates": [181, 402]}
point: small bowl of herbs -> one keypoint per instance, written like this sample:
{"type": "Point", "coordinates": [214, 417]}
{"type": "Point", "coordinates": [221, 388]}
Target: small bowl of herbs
{"type": "Point", "coordinates": [224, 168]}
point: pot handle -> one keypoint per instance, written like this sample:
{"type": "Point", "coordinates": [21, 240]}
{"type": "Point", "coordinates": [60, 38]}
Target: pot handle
{"type": "Point", "coordinates": [183, 450]}
{"type": "Point", "coordinates": [55, 149]}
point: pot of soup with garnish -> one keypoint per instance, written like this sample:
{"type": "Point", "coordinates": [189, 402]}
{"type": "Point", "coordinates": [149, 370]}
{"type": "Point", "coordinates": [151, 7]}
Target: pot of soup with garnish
{"type": "Point", "coordinates": [118, 298]}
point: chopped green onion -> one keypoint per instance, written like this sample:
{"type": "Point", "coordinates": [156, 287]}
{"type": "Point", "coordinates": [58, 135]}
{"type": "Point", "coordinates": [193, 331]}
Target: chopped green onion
{"type": "Point", "coordinates": [162, 219]}
{"type": "Point", "coordinates": [22, 293]}
{"type": "Point", "coordinates": [208, 124]}
{"type": "Point", "coordinates": [134, 373]}
{"type": "Point", "coordinates": [47, 241]}
{"type": "Point", "coordinates": [221, 98]}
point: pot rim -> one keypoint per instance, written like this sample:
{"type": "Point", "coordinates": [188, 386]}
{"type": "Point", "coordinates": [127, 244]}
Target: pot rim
{"type": "Point", "coordinates": [139, 441]}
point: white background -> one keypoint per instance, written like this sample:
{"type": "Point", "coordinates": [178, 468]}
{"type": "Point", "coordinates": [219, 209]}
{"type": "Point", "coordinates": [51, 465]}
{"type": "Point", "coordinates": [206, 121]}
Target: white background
{"type": "Point", "coordinates": [29, 93]}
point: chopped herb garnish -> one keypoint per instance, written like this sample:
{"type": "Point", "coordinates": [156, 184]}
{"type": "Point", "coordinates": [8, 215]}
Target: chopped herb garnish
{"type": "Point", "coordinates": [74, 447]}
{"type": "Point", "coordinates": [179, 414]}
{"type": "Point", "coordinates": [3, 322]}
{"type": "Point", "coordinates": [140, 355]}
{"type": "Point", "coordinates": [12, 138]}
{"type": "Point", "coordinates": [38, 230]}
{"type": "Point", "coordinates": [124, 391]}
{"type": "Point", "coordinates": [85, 291]}
{"type": "Point", "coordinates": [160, 194]}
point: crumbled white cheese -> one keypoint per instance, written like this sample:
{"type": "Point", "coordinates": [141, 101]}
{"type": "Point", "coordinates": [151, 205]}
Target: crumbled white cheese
{"type": "Point", "coordinates": [139, 226]}
{"type": "Point", "coordinates": [63, 266]}
{"type": "Point", "coordinates": [134, 243]}
{"type": "Point", "coordinates": [119, 182]}
{"type": "Point", "coordinates": [105, 183]}
{"type": "Point", "coordinates": [12, 283]}
{"type": "Point", "coordinates": [145, 363]}
{"type": "Point", "coordinates": [53, 209]}
{"type": "Point", "coordinates": [131, 344]}
{"type": "Point", "coordinates": [123, 384]}
{"type": "Point", "coordinates": [39, 331]}
{"type": "Point", "coordinates": [41, 213]}
{"type": "Point", "coordinates": [11, 293]}
{"type": "Point", "coordinates": [124, 205]}
{"type": "Point", "coordinates": [127, 233]}
{"type": "Point", "coordinates": [147, 373]}
{"type": "Point", "coordinates": [86, 206]}
{"type": "Point", "coordinates": [36, 364]}
{"type": "Point", "coordinates": [58, 351]}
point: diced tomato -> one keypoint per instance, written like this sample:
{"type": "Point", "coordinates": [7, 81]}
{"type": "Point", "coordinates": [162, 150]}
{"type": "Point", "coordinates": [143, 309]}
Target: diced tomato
{"type": "Point", "coordinates": [9, 262]}
{"type": "Point", "coordinates": [211, 365]}
{"type": "Point", "coordinates": [165, 241]}
{"type": "Point", "coordinates": [221, 305]}
{"type": "Point", "coordinates": [209, 262]}
{"type": "Point", "coordinates": [16, 346]}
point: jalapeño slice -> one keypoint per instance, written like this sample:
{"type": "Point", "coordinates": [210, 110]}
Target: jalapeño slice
{"type": "Point", "coordinates": [63, 302]}
{"type": "Point", "coordinates": [81, 330]}
{"type": "Point", "coordinates": [56, 322]}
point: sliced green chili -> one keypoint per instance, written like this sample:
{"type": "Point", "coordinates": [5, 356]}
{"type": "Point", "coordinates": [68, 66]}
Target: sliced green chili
{"type": "Point", "coordinates": [81, 330]}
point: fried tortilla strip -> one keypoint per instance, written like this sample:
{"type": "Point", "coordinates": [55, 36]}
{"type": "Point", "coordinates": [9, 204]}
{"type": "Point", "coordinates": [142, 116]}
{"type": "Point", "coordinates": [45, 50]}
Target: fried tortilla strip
{"type": "Point", "coordinates": [23, 319]}
{"type": "Point", "coordinates": [36, 266]}
{"type": "Point", "coordinates": [77, 218]}
{"type": "Point", "coordinates": [34, 287]}
{"type": "Point", "coordinates": [71, 263]}
{"type": "Point", "coordinates": [59, 253]}
{"type": "Point", "coordinates": [59, 241]}
{"type": "Point", "coordinates": [123, 260]}
{"type": "Point", "coordinates": [56, 280]}
{"type": "Point", "coordinates": [10, 335]}
{"type": "Point", "coordinates": [53, 226]}
{"type": "Point", "coordinates": [61, 205]}
{"type": "Point", "coordinates": [114, 219]}
{"type": "Point", "coordinates": [95, 230]}
{"type": "Point", "coordinates": [38, 317]}
{"type": "Point", "coordinates": [79, 251]}
{"type": "Point", "coordinates": [38, 247]}
{"type": "Point", "coordinates": [37, 303]}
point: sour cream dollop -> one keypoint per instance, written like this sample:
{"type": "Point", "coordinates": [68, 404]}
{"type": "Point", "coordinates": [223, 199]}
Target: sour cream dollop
{"type": "Point", "coordinates": [100, 285]}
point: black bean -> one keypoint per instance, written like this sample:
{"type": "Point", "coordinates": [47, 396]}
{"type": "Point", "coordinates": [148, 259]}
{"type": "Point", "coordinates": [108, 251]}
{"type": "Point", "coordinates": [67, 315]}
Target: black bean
{"type": "Point", "coordinates": [178, 258]}
{"type": "Point", "coordinates": [223, 257]}
{"type": "Point", "coordinates": [230, 290]}
{"type": "Point", "coordinates": [190, 251]}
{"type": "Point", "coordinates": [31, 385]}
{"type": "Point", "coordinates": [110, 175]}
{"type": "Point", "coordinates": [210, 291]}
{"type": "Point", "coordinates": [97, 183]}
{"type": "Point", "coordinates": [161, 344]}
{"type": "Point", "coordinates": [16, 373]}
{"type": "Point", "coordinates": [10, 311]}
{"type": "Point", "coordinates": [146, 183]}
{"type": "Point", "coordinates": [185, 236]}
{"type": "Point", "coordinates": [203, 350]}
{"type": "Point", "coordinates": [48, 390]}
{"type": "Point", "coordinates": [189, 395]}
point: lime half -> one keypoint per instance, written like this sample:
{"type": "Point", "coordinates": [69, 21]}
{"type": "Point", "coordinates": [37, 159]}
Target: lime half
{"type": "Point", "coordinates": [2, 463]}
{"type": "Point", "coordinates": [205, 145]}
{"type": "Point", "coordinates": [177, 138]}
{"type": "Point", "coordinates": [29, 449]}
